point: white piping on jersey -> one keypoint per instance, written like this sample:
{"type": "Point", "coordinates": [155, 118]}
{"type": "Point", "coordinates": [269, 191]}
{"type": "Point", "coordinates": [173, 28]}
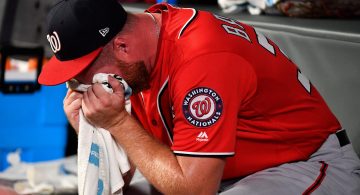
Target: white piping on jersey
{"type": "Point", "coordinates": [158, 107]}
{"type": "Point", "coordinates": [204, 153]}
{"type": "Point", "coordinates": [193, 15]}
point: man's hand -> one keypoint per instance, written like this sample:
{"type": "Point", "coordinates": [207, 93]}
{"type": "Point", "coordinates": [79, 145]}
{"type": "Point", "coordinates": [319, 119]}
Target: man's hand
{"type": "Point", "coordinates": [170, 174]}
{"type": "Point", "coordinates": [72, 105]}
{"type": "Point", "coordinates": [104, 109]}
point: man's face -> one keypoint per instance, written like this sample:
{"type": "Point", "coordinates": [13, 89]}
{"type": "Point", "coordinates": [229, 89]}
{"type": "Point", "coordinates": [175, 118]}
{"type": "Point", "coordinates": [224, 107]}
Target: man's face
{"type": "Point", "coordinates": [135, 74]}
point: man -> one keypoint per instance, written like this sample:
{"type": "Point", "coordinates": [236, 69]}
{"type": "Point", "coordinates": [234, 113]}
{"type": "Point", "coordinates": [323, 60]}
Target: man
{"type": "Point", "coordinates": [215, 102]}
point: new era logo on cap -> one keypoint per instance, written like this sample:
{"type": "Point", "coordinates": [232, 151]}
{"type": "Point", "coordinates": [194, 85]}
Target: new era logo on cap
{"type": "Point", "coordinates": [104, 31]}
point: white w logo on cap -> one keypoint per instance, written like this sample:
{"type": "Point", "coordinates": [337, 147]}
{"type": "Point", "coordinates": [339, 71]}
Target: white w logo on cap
{"type": "Point", "coordinates": [54, 42]}
{"type": "Point", "coordinates": [104, 31]}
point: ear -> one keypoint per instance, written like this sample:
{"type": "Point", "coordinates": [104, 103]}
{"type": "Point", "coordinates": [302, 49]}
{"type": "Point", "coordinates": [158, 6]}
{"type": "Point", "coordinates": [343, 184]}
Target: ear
{"type": "Point", "coordinates": [121, 48]}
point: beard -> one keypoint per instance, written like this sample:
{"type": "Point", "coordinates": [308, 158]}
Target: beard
{"type": "Point", "coordinates": [136, 75]}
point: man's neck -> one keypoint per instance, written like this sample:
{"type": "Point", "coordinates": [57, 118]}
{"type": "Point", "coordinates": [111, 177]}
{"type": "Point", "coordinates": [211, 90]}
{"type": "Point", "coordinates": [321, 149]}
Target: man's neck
{"type": "Point", "coordinates": [154, 38]}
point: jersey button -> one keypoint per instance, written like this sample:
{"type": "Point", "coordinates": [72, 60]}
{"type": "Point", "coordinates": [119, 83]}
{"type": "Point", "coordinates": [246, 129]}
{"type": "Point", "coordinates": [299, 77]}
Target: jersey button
{"type": "Point", "coordinates": [154, 122]}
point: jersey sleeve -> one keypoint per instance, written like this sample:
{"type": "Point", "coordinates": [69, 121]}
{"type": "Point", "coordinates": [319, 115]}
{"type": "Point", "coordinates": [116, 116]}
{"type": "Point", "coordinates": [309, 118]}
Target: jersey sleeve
{"type": "Point", "coordinates": [208, 92]}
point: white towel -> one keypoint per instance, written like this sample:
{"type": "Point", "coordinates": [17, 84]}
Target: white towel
{"type": "Point", "coordinates": [101, 161]}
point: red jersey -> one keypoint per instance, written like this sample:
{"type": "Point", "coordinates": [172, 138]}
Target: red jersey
{"type": "Point", "coordinates": [221, 89]}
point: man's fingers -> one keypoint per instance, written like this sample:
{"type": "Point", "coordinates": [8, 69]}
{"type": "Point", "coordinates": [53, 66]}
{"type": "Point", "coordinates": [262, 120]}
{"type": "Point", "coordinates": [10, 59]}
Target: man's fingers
{"type": "Point", "coordinates": [72, 96]}
{"type": "Point", "coordinates": [116, 85]}
{"type": "Point", "coordinates": [68, 93]}
{"type": "Point", "coordinates": [74, 106]}
{"type": "Point", "coordinates": [98, 90]}
{"type": "Point", "coordinates": [91, 93]}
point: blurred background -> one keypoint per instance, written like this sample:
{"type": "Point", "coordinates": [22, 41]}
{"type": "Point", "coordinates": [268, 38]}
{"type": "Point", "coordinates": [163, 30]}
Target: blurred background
{"type": "Point", "coordinates": [322, 37]}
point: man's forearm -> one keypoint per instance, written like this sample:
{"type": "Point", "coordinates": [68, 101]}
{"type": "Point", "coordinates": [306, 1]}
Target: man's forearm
{"type": "Point", "coordinates": [155, 160]}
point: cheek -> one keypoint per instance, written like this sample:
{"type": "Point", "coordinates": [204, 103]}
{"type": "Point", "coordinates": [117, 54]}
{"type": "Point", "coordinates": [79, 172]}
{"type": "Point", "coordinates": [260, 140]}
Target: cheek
{"type": "Point", "coordinates": [84, 77]}
{"type": "Point", "coordinates": [108, 68]}
{"type": "Point", "coordinates": [87, 75]}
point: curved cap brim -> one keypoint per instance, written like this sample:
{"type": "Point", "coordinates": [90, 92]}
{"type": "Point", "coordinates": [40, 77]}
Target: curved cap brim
{"type": "Point", "coordinates": [56, 72]}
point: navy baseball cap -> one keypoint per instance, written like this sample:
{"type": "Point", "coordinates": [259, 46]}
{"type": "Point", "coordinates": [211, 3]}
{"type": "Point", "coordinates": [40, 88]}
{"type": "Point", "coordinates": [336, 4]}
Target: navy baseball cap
{"type": "Point", "coordinates": [77, 32]}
